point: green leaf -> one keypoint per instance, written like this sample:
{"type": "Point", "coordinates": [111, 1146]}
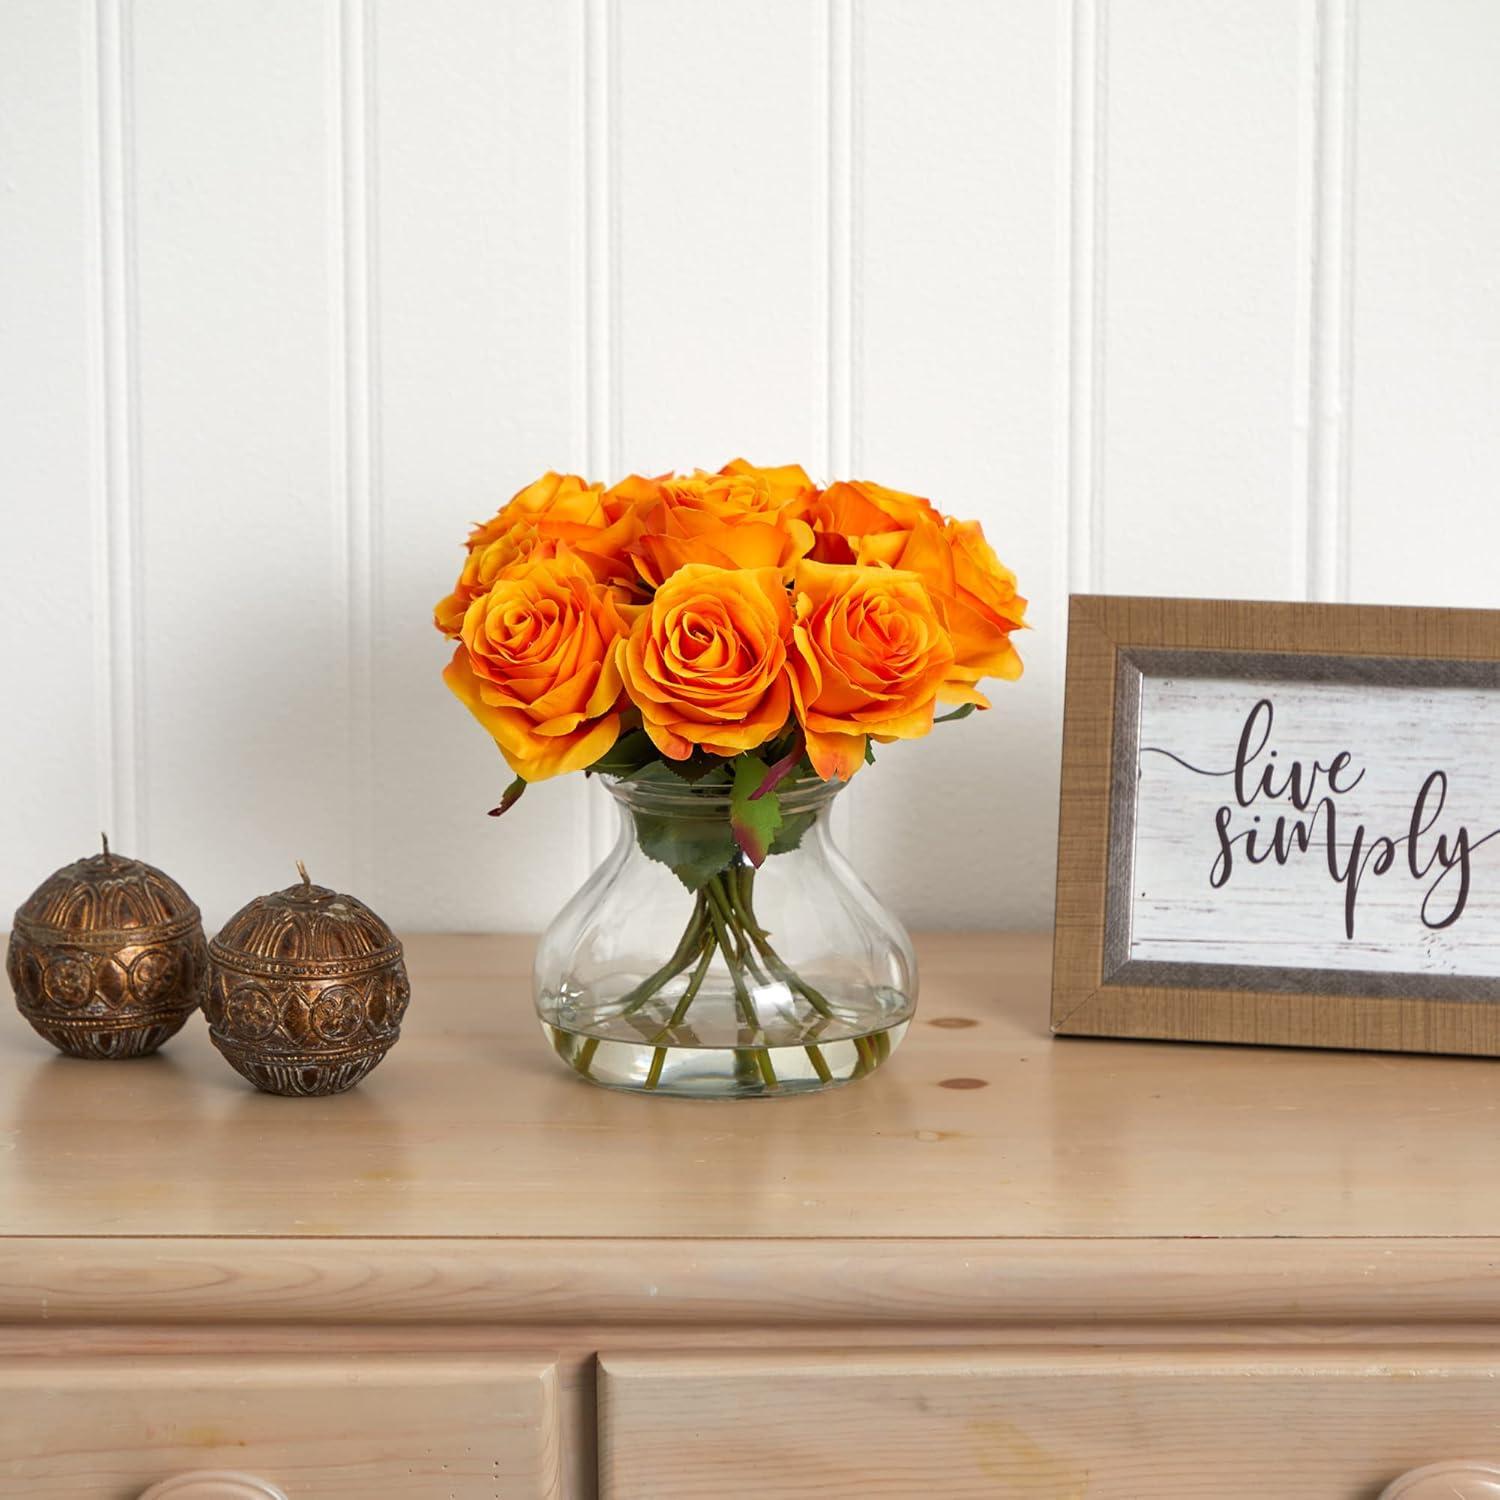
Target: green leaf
{"type": "Point", "coordinates": [695, 849]}
{"type": "Point", "coordinates": [869, 751]}
{"type": "Point", "coordinates": [668, 773]}
{"type": "Point", "coordinates": [961, 712]}
{"type": "Point", "coordinates": [789, 835]}
{"type": "Point", "coordinates": [698, 767]}
{"type": "Point", "coordinates": [754, 819]}
{"type": "Point", "coordinates": [510, 798]}
{"type": "Point", "coordinates": [655, 772]}
{"type": "Point", "coordinates": [629, 753]}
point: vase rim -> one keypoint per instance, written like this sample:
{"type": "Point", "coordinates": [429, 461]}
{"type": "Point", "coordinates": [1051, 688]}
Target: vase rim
{"type": "Point", "coordinates": [796, 794]}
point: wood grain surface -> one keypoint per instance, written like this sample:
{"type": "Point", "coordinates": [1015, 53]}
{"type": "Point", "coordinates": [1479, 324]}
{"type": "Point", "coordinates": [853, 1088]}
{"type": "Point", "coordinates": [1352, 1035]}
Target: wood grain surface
{"type": "Point", "coordinates": [1085, 1000]}
{"type": "Point", "coordinates": [1090, 1241]}
{"type": "Point", "coordinates": [973, 1426]}
{"type": "Point", "coordinates": [983, 1126]}
{"type": "Point", "coordinates": [369, 1427]}
{"type": "Point", "coordinates": [871, 1288]}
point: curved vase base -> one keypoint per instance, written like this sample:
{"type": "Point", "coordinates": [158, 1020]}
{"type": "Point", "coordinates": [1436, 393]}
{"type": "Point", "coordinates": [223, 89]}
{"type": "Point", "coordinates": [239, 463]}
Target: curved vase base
{"type": "Point", "coordinates": [723, 1072]}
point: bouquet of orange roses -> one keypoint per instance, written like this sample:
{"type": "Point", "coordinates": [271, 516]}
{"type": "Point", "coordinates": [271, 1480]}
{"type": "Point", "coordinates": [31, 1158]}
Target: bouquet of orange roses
{"type": "Point", "coordinates": [735, 632]}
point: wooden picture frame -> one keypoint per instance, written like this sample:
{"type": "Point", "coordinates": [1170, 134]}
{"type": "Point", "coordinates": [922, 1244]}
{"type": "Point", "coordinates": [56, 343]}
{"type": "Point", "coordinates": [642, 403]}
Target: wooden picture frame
{"type": "Point", "coordinates": [1197, 654]}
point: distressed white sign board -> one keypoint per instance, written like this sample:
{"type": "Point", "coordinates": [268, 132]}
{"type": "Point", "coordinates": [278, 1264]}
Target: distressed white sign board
{"type": "Point", "coordinates": [1393, 878]}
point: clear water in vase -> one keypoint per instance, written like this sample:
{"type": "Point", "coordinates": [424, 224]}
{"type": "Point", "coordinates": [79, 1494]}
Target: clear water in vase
{"type": "Point", "coordinates": [736, 981]}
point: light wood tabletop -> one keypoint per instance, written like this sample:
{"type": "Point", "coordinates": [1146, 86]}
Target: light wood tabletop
{"type": "Point", "coordinates": [982, 1126]}
{"type": "Point", "coordinates": [1004, 1263]}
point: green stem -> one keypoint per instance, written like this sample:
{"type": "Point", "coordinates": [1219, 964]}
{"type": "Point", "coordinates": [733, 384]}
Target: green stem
{"type": "Point", "coordinates": [717, 909]}
{"type": "Point", "coordinates": [689, 995]}
{"type": "Point", "coordinates": [745, 892]}
{"type": "Point", "coordinates": [724, 921]}
{"type": "Point", "coordinates": [659, 1056]}
{"type": "Point", "coordinates": [767, 1072]}
{"type": "Point", "coordinates": [742, 917]}
{"type": "Point", "coordinates": [820, 1065]}
{"type": "Point", "coordinates": [751, 962]}
{"type": "Point", "coordinates": [721, 896]}
{"type": "Point", "coordinates": [691, 992]}
{"type": "Point", "coordinates": [585, 1062]}
{"type": "Point", "coordinates": [686, 951]}
{"type": "Point", "coordinates": [741, 881]}
{"type": "Point", "coordinates": [789, 976]}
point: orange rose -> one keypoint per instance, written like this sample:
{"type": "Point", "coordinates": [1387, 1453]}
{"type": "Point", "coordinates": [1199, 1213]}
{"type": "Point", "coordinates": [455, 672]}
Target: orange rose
{"type": "Point", "coordinates": [552, 494]}
{"type": "Point", "coordinates": [975, 596]}
{"type": "Point", "coordinates": [869, 655]}
{"type": "Point", "coordinates": [981, 612]}
{"type": "Point", "coordinates": [782, 484]}
{"type": "Point", "coordinates": [741, 517]}
{"type": "Point", "coordinates": [706, 661]}
{"type": "Point", "coordinates": [851, 510]}
{"type": "Point", "coordinates": [536, 665]}
{"type": "Point", "coordinates": [634, 492]}
{"type": "Point", "coordinates": [557, 510]}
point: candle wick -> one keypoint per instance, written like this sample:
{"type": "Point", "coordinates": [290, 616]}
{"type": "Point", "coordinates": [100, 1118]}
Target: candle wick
{"type": "Point", "coordinates": [302, 871]}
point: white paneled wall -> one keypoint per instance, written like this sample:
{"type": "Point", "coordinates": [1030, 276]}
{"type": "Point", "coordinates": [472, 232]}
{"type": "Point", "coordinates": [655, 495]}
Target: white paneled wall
{"type": "Point", "coordinates": [1198, 335]}
{"type": "Point", "coordinates": [1424, 448]}
{"type": "Point", "coordinates": [1179, 296]}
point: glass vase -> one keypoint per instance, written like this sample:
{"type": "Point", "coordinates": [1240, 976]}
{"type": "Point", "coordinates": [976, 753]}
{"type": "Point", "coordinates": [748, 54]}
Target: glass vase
{"type": "Point", "coordinates": [680, 968]}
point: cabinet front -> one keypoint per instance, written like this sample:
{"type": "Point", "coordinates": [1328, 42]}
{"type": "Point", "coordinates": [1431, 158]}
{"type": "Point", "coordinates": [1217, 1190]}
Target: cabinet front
{"type": "Point", "coordinates": [1116, 1425]}
{"type": "Point", "coordinates": [308, 1428]}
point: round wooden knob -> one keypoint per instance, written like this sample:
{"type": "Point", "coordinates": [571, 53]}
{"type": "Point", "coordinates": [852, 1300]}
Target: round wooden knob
{"type": "Point", "coordinates": [1457, 1479]}
{"type": "Point", "coordinates": [219, 1484]}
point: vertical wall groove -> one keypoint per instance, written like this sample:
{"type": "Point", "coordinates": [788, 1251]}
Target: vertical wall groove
{"type": "Point", "coordinates": [102, 624]}
{"type": "Point", "coordinates": [1086, 83]}
{"type": "Point", "coordinates": [839, 265]}
{"type": "Point", "coordinates": [580, 158]}
{"type": "Point", "coordinates": [1327, 301]}
{"type": "Point", "coordinates": [124, 799]}
{"type": "Point", "coordinates": [601, 229]}
{"type": "Point", "coordinates": [356, 496]}
{"type": "Point", "coordinates": [601, 216]}
{"type": "Point", "coordinates": [841, 104]}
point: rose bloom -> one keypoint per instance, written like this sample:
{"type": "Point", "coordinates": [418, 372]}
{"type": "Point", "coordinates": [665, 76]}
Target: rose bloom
{"type": "Point", "coordinates": [557, 510]}
{"type": "Point", "coordinates": [536, 665]}
{"type": "Point", "coordinates": [781, 484]}
{"type": "Point", "coordinates": [850, 510]}
{"type": "Point", "coordinates": [869, 655]}
{"type": "Point", "coordinates": [706, 660]}
{"type": "Point", "coordinates": [741, 517]}
{"type": "Point", "coordinates": [980, 613]}
{"type": "Point", "coordinates": [974, 592]}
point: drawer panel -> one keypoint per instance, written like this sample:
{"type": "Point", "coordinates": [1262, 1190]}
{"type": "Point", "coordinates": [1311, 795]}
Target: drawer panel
{"type": "Point", "coordinates": [1117, 1425]}
{"type": "Point", "coordinates": [379, 1427]}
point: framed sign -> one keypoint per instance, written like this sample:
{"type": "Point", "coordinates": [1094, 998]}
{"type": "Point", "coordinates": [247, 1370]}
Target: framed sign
{"type": "Point", "coordinates": [1280, 824]}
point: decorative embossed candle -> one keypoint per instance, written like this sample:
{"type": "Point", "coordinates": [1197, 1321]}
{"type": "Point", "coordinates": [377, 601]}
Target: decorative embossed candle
{"type": "Point", "coordinates": [107, 957]}
{"type": "Point", "coordinates": [307, 991]}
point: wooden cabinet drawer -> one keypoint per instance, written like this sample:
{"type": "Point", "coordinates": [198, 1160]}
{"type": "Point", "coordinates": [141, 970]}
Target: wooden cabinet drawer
{"type": "Point", "coordinates": [445, 1427]}
{"type": "Point", "coordinates": [1120, 1425]}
